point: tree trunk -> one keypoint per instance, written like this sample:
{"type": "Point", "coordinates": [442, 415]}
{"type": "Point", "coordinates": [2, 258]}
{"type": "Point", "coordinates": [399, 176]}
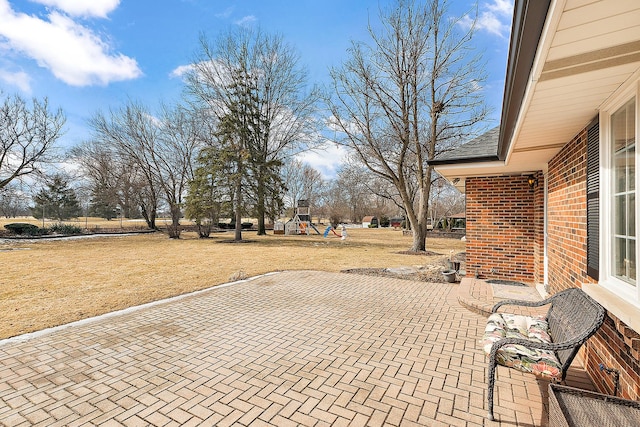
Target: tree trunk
{"type": "Point", "coordinates": [238, 229]}
{"type": "Point", "coordinates": [419, 222]}
{"type": "Point", "coordinates": [419, 239]}
{"type": "Point", "coordinates": [174, 229]}
{"type": "Point", "coordinates": [262, 231]}
{"type": "Point", "coordinates": [149, 217]}
{"type": "Point", "coordinates": [151, 222]}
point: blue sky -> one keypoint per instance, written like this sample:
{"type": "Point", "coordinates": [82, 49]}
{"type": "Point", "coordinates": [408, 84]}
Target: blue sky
{"type": "Point", "coordinates": [90, 55]}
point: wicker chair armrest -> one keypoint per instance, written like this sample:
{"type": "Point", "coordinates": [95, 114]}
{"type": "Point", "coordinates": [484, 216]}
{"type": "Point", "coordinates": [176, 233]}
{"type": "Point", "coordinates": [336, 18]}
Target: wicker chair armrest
{"type": "Point", "coordinates": [552, 346]}
{"type": "Point", "coordinates": [520, 303]}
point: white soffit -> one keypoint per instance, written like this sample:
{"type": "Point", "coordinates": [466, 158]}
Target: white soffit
{"type": "Point", "coordinates": [521, 164]}
{"type": "Point", "coordinates": [589, 49]}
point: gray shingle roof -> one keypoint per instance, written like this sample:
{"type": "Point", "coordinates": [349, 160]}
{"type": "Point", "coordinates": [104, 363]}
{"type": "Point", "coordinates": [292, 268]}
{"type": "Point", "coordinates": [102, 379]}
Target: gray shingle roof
{"type": "Point", "coordinates": [482, 148]}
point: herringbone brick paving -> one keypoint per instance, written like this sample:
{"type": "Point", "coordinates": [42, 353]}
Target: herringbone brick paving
{"type": "Point", "coordinates": [294, 348]}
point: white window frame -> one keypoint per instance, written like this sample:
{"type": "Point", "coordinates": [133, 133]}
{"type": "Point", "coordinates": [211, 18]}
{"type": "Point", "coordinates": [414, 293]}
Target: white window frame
{"type": "Point", "coordinates": [618, 287]}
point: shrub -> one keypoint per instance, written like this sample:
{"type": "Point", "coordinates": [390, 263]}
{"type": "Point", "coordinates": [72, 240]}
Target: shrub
{"type": "Point", "coordinates": [232, 225]}
{"type": "Point", "coordinates": [22, 228]}
{"type": "Point", "coordinates": [65, 229]}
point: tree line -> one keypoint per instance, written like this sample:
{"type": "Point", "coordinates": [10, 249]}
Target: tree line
{"type": "Point", "coordinates": [229, 147]}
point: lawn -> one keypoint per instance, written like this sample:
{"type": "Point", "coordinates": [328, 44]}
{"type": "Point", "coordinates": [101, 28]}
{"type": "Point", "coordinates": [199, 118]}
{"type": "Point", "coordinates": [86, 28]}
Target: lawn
{"type": "Point", "coordinates": [47, 283]}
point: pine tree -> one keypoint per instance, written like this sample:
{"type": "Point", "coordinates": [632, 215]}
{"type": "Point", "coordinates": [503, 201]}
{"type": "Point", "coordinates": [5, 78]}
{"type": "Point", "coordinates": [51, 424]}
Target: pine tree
{"type": "Point", "coordinates": [57, 201]}
{"type": "Point", "coordinates": [205, 198]}
{"type": "Point", "coordinates": [104, 202]}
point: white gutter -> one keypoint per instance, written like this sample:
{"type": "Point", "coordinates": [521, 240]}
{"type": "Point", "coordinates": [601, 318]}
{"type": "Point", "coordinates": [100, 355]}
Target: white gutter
{"type": "Point", "coordinates": [544, 44]}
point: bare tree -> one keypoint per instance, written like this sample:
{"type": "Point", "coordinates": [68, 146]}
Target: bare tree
{"type": "Point", "coordinates": [390, 201]}
{"type": "Point", "coordinates": [161, 149]}
{"type": "Point", "coordinates": [302, 182]}
{"type": "Point", "coordinates": [27, 135]}
{"type": "Point", "coordinates": [286, 121]}
{"type": "Point", "coordinates": [132, 132]}
{"type": "Point", "coordinates": [99, 167]}
{"type": "Point", "coordinates": [114, 181]}
{"type": "Point", "coordinates": [335, 204]}
{"type": "Point", "coordinates": [410, 94]}
{"type": "Point", "coordinates": [352, 185]}
{"type": "Point", "coordinates": [174, 159]}
{"type": "Point", "coordinates": [13, 201]}
{"type": "Point", "coordinates": [445, 200]}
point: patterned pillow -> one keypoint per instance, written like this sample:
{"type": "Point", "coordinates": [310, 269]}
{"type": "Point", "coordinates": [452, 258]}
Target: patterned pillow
{"type": "Point", "coordinates": [542, 363]}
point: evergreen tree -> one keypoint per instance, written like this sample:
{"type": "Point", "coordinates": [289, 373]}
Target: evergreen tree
{"type": "Point", "coordinates": [205, 198]}
{"type": "Point", "coordinates": [255, 79]}
{"type": "Point", "coordinates": [104, 202]}
{"type": "Point", "coordinates": [57, 201]}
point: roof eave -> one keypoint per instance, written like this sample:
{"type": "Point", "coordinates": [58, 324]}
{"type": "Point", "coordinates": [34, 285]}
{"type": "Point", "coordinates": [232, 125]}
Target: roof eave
{"type": "Point", "coordinates": [529, 17]}
{"type": "Point", "coordinates": [459, 161]}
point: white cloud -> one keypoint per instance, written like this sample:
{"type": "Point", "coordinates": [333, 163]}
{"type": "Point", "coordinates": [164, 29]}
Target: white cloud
{"type": "Point", "coordinates": [153, 120]}
{"type": "Point", "coordinates": [495, 18]}
{"type": "Point", "coordinates": [326, 160]}
{"type": "Point", "coordinates": [334, 125]}
{"type": "Point", "coordinates": [72, 52]}
{"type": "Point", "coordinates": [247, 20]}
{"type": "Point", "coordinates": [502, 7]}
{"type": "Point", "coordinates": [97, 8]}
{"type": "Point", "coordinates": [210, 71]}
{"type": "Point", "coordinates": [19, 79]}
{"type": "Point", "coordinates": [227, 13]}
{"type": "Point", "coordinates": [182, 70]}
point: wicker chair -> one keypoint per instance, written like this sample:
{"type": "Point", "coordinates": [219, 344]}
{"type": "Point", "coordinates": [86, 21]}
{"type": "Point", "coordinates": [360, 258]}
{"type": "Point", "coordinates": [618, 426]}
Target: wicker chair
{"type": "Point", "coordinates": [572, 318]}
{"type": "Point", "coordinates": [572, 407]}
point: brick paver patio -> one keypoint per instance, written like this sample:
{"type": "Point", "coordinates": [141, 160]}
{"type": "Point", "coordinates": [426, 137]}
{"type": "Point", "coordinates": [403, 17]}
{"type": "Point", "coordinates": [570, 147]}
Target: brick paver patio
{"type": "Point", "coordinates": [293, 348]}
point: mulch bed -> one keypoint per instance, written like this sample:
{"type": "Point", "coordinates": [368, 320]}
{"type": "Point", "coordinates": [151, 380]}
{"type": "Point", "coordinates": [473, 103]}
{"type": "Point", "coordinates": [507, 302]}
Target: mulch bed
{"type": "Point", "coordinates": [426, 275]}
{"type": "Point", "coordinates": [429, 273]}
{"type": "Point", "coordinates": [426, 253]}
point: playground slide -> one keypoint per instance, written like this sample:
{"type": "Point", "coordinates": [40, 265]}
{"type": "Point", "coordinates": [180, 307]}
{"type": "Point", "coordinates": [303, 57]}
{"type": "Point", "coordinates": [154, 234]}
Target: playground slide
{"type": "Point", "coordinates": [326, 231]}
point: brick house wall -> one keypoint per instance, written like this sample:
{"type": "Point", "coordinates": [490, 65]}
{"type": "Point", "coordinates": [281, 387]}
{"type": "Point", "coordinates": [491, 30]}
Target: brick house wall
{"type": "Point", "coordinates": [567, 216]}
{"type": "Point", "coordinates": [538, 232]}
{"type": "Point", "coordinates": [615, 345]}
{"type": "Point", "coordinates": [501, 228]}
{"type": "Point", "coordinates": [505, 232]}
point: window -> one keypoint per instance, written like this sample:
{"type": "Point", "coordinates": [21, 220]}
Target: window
{"type": "Point", "coordinates": [623, 143]}
{"type": "Point", "coordinates": [618, 211]}
{"type": "Point", "coordinates": [611, 195]}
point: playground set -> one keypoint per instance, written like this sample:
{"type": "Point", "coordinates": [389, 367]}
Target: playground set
{"type": "Point", "coordinates": [301, 223]}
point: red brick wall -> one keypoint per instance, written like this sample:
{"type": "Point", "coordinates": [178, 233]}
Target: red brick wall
{"type": "Point", "coordinates": [538, 233]}
{"type": "Point", "coordinates": [567, 216]}
{"type": "Point", "coordinates": [505, 232]}
{"type": "Point", "coordinates": [615, 345]}
{"type": "Point", "coordinates": [618, 347]}
{"type": "Point", "coordinates": [501, 228]}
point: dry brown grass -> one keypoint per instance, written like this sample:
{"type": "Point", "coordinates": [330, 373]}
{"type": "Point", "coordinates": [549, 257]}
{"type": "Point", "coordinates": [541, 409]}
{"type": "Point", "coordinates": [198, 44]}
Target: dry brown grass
{"type": "Point", "coordinates": [47, 283]}
{"type": "Point", "coordinates": [94, 224]}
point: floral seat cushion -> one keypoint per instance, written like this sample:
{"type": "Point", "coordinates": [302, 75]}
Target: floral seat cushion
{"type": "Point", "coordinates": [543, 363]}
